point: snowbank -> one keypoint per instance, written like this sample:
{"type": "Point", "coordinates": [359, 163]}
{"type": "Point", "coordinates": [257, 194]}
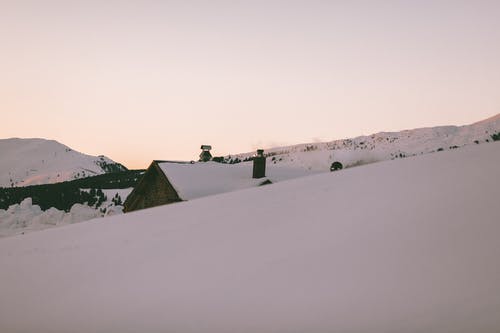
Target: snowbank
{"type": "Point", "coordinates": [408, 245]}
{"type": "Point", "coordinates": [24, 217]}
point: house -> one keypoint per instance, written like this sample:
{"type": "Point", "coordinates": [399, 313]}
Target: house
{"type": "Point", "coordinates": [153, 189]}
{"type": "Point", "coordinates": [167, 182]}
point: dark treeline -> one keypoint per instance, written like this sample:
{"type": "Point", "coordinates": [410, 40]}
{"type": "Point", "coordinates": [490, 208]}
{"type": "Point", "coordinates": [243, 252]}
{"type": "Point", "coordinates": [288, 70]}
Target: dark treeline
{"type": "Point", "coordinates": [64, 195]}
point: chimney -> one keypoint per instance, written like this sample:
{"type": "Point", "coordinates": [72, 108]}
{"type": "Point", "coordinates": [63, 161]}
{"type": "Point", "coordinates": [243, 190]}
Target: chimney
{"type": "Point", "coordinates": [205, 155]}
{"type": "Point", "coordinates": [259, 164]}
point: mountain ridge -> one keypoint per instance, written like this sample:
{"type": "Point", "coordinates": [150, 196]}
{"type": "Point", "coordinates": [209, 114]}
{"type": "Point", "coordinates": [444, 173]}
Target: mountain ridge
{"type": "Point", "coordinates": [317, 156]}
{"type": "Point", "coordinates": [34, 161]}
{"type": "Point", "coordinates": [379, 146]}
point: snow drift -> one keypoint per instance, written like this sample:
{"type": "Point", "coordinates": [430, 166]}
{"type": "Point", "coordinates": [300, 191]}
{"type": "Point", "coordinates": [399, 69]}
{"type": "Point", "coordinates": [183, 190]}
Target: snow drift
{"type": "Point", "coordinates": [26, 217]}
{"type": "Point", "coordinates": [408, 245]}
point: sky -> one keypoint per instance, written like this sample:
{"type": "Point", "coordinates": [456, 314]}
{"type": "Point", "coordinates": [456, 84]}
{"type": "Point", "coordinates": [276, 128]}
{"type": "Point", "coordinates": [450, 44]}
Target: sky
{"type": "Point", "coordinates": [144, 80]}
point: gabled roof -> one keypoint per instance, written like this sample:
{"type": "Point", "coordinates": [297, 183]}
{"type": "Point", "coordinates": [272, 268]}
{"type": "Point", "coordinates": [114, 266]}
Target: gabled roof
{"type": "Point", "coordinates": [202, 179]}
{"type": "Point", "coordinates": [195, 180]}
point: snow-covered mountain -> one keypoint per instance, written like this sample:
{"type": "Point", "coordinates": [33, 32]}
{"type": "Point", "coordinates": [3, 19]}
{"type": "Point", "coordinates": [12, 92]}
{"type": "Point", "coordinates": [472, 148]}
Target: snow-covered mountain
{"type": "Point", "coordinates": [26, 162]}
{"type": "Point", "coordinates": [409, 245]}
{"type": "Point", "coordinates": [380, 146]}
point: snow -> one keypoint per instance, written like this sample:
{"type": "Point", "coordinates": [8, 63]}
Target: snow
{"type": "Point", "coordinates": [408, 245]}
{"type": "Point", "coordinates": [37, 161]}
{"type": "Point", "coordinates": [26, 217]}
{"type": "Point", "coordinates": [381, 146]}
{"type": "Point", "coordinates": [113, 210]}
{"type": "Point", "coordinates": [110, 194]}
{"type": "Point", "coordinates": [122, 192]}
{"type": "Point", "coordinates": [195, 180]}
{"type": "Point", "coordinates": [26, 162]}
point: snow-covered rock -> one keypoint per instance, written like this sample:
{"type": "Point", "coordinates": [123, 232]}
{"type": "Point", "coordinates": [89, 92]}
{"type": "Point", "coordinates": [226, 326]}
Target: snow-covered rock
{"type": "Point", "coordinates": [79, 213]}
{"type": "Point", "coordinates": [114, 210]}
{"type": "Point", "coordinates": [51, 216]}
{"type": "Point", "coordinates": [37, 161]}
{"type": "Point", "coordinates": [19, 216]}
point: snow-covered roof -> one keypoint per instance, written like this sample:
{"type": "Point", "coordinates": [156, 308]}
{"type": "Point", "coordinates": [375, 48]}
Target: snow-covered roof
{"type": "Point", "coordinates": [202, 179]}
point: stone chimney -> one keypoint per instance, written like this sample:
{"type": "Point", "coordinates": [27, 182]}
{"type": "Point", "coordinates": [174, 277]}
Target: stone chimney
{"type": "Point", "coordinates": [205, 155]}
{"type": "Point", "coordinates": [259, 164]}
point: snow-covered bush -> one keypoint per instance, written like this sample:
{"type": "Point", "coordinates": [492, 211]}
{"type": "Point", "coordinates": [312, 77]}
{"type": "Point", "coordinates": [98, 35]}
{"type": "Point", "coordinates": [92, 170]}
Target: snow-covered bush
{"type": "Point", "coordinates": [336, 166]}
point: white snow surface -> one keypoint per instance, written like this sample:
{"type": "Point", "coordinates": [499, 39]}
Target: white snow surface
{"type": "Point", "coordinates": [110, 194]}
{"type": "Point", "coordinates": [408, 245]}
{"type": "Point", "coordinates": [26, 162]}
{"type": "Point", "coordinates": [122, 192]}
{"type": "Point", "coordinates": [208, 178]}
{"type": "Point", "coordinates": [381, 146]}
{"type": "Point", "coordinates": [26, 217]}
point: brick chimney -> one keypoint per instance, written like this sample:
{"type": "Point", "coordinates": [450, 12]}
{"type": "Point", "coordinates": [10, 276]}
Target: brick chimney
{"type": "Point", "coordinates": [259, 164]}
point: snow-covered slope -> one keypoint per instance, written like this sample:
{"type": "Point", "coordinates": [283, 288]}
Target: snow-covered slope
{"type": "Point", "coordinates": [37, 161]}
{"type": "Point", "coordinates": [407, 245]}
{"type": "Point", "coordinates": [381, 146]}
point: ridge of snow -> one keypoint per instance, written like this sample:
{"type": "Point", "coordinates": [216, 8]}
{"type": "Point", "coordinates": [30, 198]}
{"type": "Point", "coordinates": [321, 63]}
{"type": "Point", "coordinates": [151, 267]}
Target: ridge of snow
{"type": "Point", "coordinates": [491, 119]}
{"type": "Point", "coordinates": [380, 146]}
{"type": "Point", "coordinates": [26, 162]}
{"type": "Point", "coordinates": [403, 246]}
{"type": "Point", "coordinates": [26, 217]}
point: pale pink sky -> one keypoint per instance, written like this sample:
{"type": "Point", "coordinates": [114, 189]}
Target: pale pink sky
{"type": "Point", "coordinates": [143, 80]}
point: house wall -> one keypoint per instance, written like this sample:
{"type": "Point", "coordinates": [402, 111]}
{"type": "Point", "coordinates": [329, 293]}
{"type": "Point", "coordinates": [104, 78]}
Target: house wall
{"type": "Point", "coordinates": [153, 189]}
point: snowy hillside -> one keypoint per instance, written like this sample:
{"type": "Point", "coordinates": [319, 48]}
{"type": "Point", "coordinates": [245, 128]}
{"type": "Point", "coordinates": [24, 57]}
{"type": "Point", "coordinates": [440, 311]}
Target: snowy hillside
{"type": "Point", "coordinates": [408, 245]}
{"type": "Point", "coordinates": [381, 146]}
{"type": "Point", "coordinates": [37, 161]}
